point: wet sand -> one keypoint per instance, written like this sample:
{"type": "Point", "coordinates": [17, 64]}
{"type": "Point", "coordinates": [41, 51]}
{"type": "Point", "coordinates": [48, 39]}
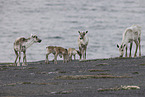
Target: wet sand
{"type": "Point", "coordinates": [90, 78]}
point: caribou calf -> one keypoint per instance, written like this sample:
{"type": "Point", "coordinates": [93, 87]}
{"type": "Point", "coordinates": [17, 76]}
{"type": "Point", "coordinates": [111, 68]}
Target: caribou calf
{"type": "Point", "coordinates": [56, 51]}
{"type": "Point", "coordinates": [73, 52]}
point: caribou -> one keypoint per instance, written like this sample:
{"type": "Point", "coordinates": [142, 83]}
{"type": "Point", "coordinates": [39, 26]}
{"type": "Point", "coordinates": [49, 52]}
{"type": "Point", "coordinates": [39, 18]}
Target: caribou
{"type": "Point", "coordinates": [21, 44]}
{"type": "Point", "coordinates": [131, 34]}
{"type": "Point", "coordinates": [83, 43]}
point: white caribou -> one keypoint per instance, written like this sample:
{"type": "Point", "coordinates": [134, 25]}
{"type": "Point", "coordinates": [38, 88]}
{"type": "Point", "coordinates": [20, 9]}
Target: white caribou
{"type": "Point", "coordinates": [83, 42]}
{"type": "Point", "coordinates": [131, 34]}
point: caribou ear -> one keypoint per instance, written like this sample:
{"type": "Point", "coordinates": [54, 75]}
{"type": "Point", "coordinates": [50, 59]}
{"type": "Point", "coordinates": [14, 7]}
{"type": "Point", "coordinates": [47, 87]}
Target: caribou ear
{"type": "Point", "coordinates": [86, 31]}
{"type": "Point", "coordinates": [78, 31]}
{"type": "Point", "coordinates": [117, 46]}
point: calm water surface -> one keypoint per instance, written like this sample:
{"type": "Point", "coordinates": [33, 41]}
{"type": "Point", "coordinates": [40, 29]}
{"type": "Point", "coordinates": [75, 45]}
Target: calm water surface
{"type": "Point", "coordinates": [57, 22]}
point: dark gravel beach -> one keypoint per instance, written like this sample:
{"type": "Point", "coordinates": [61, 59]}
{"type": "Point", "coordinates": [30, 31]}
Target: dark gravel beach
{"type": "Point", "coordinates": [90, 78]}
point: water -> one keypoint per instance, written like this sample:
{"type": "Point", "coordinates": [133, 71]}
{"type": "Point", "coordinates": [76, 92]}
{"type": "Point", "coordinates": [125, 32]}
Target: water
{"type": "Point", "coordinates": [57, 22]}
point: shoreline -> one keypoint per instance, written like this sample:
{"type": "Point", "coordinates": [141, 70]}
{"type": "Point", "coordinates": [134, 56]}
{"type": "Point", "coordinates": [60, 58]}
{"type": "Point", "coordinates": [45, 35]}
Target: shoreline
{"type": "Point", "coordinates": [82, 60]}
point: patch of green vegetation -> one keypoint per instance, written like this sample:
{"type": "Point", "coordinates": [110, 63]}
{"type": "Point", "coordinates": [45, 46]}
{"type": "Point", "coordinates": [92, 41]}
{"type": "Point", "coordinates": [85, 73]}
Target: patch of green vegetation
{"type": "Point", "coordinates": [26, 83]}
{"type": "Point", "coordinates": [79, 77]}
{"type": "Point", "coordinates": [32, 68]}
{"type": "Point", "coordinates": [11, 65]}
{"type": "Point", "coordinates": [97, 70]}
{"type": "Point", "coordinates": [62, 72]}
{"type": "Point", "coordinates": [62, 92]}
{"type": "Point", "coordinates": [12, 84]}
{"type": "Point", "coordinates": [135, 73]}
{"type": "Point", "coordinates": [53, 83]}
{"type": "Point", "coordinates": [3, 68]}
{"type": "Point", "coordinates": [142, 64]}
{"type": "Point", "coordinates": [5, 63]}
{"type": "Point", "coordinates": [105, 59]}
{"type": "Point", "coordinates": [8, 65]}
{"type": "Point", "coordinates": [41, 83]}
{"type": "Point", "coordinates": [20, 68]}
{"type": "Point", "coordinates": [122, 58]}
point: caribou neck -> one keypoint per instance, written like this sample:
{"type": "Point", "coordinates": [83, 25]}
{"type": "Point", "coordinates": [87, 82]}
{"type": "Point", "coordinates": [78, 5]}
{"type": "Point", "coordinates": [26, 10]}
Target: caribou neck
{"type": "Point", "coordinates": [28, 43]}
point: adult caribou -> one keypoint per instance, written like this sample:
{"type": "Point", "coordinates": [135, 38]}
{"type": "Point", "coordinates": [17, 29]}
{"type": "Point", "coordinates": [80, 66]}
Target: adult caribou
{"type": "Point", "coordinates": [21, 44]}
{"type": "Point", "coordinates": [131, 34]}
{"type": "Point", "coordinates": [83, 43]}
